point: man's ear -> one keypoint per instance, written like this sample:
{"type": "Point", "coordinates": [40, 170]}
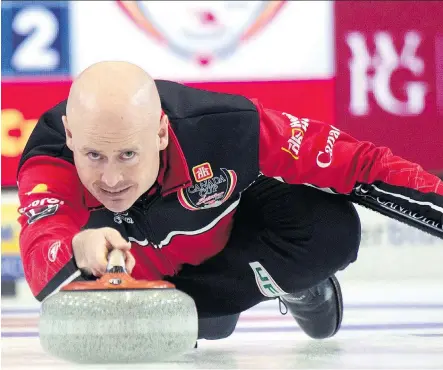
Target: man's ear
{"type": "Point", "coordinates": [163, 137]}
{"type": "Point", "coordinates": [68, 133]}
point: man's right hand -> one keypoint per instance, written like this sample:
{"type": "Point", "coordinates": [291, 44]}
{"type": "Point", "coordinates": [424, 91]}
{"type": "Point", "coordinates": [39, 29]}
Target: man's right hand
{"type": "Point", "coordinates": [91, 248]}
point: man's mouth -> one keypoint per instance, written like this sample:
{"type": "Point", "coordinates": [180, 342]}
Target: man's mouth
{"type": "Point", "coordinates": [115, 192]}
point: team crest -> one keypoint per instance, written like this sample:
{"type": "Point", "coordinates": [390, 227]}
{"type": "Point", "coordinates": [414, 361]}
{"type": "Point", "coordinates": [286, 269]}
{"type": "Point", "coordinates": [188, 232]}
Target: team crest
{"type": "Point", "coordinates": [209, 193]}
{"type": "Point", "coordinates": [201, 30]}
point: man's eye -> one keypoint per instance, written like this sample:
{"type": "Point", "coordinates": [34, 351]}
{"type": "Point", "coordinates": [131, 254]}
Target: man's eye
{"type": "Point", "coordinates": [128, 155]}
{"type": "Point", "coordinates": [93, 155]}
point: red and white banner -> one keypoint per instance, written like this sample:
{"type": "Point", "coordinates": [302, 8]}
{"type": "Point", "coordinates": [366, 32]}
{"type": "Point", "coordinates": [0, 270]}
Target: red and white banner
{"type": "Point", "coordinates": [22, 104]}
{"type": "Point", "coordinates": [389, 71]}
{"type": "Point", "coordinates": [374, 69]}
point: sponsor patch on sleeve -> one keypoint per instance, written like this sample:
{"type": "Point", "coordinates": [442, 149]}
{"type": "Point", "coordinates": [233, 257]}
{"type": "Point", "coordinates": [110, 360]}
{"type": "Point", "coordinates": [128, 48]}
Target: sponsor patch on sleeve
{"type": "Point", "coordinates": [298, 131]}
{"type": "Point", "coordinates": [41, 208]}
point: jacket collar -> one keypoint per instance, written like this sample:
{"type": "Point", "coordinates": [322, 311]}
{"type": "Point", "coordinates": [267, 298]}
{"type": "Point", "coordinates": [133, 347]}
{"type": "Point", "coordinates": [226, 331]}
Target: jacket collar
{"type": "Point", "coordinates": [174, 171]}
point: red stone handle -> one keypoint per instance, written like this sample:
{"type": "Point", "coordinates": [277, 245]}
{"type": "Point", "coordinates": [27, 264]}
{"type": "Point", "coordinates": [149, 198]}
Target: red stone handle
{"type": "Point", "coordinates": [116, 278]}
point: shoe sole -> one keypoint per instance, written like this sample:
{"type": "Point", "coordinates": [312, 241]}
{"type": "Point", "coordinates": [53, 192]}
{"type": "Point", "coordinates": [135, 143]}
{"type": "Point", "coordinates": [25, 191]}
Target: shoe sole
{"type": "Point", "coordinates": [339, 302]}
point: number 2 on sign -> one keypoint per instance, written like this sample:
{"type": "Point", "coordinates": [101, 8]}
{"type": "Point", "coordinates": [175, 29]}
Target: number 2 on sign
{"type": "Point", "coordinates": [40, 28]}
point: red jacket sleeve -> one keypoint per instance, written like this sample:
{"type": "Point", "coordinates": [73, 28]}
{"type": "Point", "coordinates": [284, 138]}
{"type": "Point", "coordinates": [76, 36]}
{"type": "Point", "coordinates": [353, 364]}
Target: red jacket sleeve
{"type": "Point", "coordinates": [304, 151]}
{"type": "Point", "coordinates": [51, 211]}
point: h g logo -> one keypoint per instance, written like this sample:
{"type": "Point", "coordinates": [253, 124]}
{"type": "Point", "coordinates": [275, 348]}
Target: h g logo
{"type": "Point", "coordinates": [385, 62]}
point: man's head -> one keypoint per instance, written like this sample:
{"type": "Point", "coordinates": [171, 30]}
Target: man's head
{"type": "Point", "coordinates": [114, 128]}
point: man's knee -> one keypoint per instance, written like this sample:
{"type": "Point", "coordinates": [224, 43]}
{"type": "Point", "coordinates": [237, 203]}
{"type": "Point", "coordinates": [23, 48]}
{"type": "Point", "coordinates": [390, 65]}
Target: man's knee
{"type": "Point", "coordinates": [217, 327]}
{"type": "Point", "coordinates": [351, 235]}
{"type": "Point", "coordinates": [339, 237]}
{"type": "Point", "coordinates": [332, 240]}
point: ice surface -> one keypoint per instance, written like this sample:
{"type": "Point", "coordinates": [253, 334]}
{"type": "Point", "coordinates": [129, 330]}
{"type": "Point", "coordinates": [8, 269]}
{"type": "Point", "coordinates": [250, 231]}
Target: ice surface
{"type": "Point", "coordinates": [385, 326]}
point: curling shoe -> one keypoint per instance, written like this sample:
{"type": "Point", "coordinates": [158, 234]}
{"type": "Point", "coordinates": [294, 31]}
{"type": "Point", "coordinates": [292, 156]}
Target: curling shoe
{"type": "Point", "coordinates": [318, 310]}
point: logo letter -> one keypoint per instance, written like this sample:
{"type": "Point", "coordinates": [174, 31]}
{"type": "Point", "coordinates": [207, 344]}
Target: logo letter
{"type": "Point", "coordinates": [385, 62]}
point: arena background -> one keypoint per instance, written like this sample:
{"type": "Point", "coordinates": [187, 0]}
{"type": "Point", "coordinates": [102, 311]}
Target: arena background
{"type": "Point", "coordinates": [374, 69]}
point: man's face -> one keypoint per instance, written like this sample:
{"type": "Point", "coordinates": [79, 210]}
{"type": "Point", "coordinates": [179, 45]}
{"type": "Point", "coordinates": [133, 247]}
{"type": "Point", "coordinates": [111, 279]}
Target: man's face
{"type": "Point", "coordinates": [117, 163]}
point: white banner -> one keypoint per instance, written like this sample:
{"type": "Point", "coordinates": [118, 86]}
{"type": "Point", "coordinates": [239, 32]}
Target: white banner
{"type": "Point", "coordinates": [207, 41]}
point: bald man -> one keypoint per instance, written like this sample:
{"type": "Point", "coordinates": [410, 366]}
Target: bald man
{"type": "Point", "coordinates": [232, 202]}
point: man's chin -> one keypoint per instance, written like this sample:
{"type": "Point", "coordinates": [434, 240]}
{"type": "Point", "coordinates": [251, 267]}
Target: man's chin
{"type": "Point", "coordinates": [117, 205]}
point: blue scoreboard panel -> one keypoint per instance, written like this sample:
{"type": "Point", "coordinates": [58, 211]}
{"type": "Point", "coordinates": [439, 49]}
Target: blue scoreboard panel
{"type": "Point", "coordinates": [35, 38]}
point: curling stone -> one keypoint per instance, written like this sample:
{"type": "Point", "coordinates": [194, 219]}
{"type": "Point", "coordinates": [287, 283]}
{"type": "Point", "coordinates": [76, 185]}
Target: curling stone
{"type": "Point", "coordinates": [117, 319]}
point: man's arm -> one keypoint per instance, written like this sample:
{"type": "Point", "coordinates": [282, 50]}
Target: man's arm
{"type": "Point", "coordinates": [51, 211]}
{"type": "Point", "coordinates": [302, 151]}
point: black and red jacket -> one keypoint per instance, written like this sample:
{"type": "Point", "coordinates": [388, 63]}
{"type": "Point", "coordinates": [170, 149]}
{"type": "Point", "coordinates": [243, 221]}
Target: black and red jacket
{"type": "Point", "coordinates": [219, 145]}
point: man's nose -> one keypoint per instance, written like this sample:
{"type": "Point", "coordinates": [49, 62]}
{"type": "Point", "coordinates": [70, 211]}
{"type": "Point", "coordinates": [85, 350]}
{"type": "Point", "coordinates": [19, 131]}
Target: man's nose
{"type": "Point", "coordinates": [111, 176]}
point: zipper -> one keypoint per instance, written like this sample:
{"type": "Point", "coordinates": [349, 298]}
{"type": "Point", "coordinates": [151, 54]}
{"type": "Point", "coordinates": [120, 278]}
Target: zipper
{"type": "Point", "coordinates": [147, 203]}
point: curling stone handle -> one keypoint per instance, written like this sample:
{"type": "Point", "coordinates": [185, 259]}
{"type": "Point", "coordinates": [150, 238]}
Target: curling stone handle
{"type": "Point", "coordinates": [116, 261]}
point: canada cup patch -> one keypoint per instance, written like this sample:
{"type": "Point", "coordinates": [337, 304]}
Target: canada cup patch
{"type": "Point", "coordinates": [209, 193]}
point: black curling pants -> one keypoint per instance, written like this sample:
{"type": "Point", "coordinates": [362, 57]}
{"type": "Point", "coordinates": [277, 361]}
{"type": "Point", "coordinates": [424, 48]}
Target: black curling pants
{"type": "Point", "coordinates": [285, 239]}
